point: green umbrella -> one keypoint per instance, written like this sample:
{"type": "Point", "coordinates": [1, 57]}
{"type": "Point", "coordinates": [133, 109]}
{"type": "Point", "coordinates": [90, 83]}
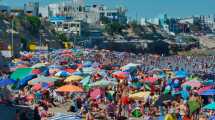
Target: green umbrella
{"type": "Point", "coordinates": [210, 106]}
{"type": "Point", "coordinates": [193, 106]}
{"type": "Point", "coordinates": [41, 79]}
{"type": "Point", "coordinates": [103, 83]}
{"type": "Point", "coordinates": [38, 65]}
{"type": "Point", "coordinates": [20, 73]}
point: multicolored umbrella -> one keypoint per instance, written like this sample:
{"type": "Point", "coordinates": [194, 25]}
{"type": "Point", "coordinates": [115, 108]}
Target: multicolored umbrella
{"type": "Point", "coordinates": [69, 88]}
{"type": "Point", "coordinates": [208, 92]}
{"type": "Point", "coordinates": [192, 83]}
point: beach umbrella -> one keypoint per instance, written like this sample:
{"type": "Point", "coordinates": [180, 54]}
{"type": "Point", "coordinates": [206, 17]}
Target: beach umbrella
{"type": "Point", "coordinates": [192, 83]}
{"type": "Point", "coordinates": [85, 81]}
{"type": "Point", "coordinates": [21, 66]}
{"type": "Point", "coordinates": [70, 70]}
{"type": "Point", "coordinates": [129, 66]}
{"type": "Point", "coordinates": [208, 92]}
{"type": "Point", "coordinates": [88, 70]}
{"type": "Point", "coordinates": [103, 83]}
{"type": "Point", "coordinates": [73, 78]}
{"type": "Point", "coordinates": [23, 82]}
{"type": "Point", "coordinates": [193, 106]}
{"type": "Point", "coordinates": [38, 65]}
{"type": "Point", "coordinates": [96, 93]}
{"type": "Point", "coordinates": [6, 82]}
{"type": "Point", "coordinates": [36, 71]}
{"type": "Point", "coordinates": [210, 106]}
{"type": "Point", "coordinates": [87, 64]}
{"type": "Point", "coordinates": [204, 89]}
{"type": "Point", "coordinates": [69, 88]}
{"type": "Point", "coordinates": [62, 74]}
{"type": "Point", "coordinates": [180, 74]}
{"type": "Point", "coordinates": [120, 75]}
{"type": "Point", "coordinates": [78, 73]}
{"type": "Point", "coordinates": [139, 95]}
{"type": "Point", "coordinates": [38, 86]}
{"type": "Point", "coordinates": [21, 73]}
{"type": "Point", "coordinates": [41, 79]}
{"type": "Point", "coordinates": [150, 79]}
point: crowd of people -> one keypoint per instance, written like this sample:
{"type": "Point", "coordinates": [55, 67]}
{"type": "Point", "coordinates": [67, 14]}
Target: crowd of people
{"type": "Point", "coordinates": [109, 85]}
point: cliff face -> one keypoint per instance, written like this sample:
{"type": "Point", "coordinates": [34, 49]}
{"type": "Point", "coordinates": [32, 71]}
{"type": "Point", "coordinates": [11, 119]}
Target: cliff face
{"type": "Point", "coordinates": [26, 29]}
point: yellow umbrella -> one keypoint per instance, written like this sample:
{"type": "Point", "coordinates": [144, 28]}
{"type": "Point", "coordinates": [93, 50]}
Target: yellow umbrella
{"type": "Point", "coordinates": [73, 78]}
{"type": "Point", "coordinates": [139, 95]}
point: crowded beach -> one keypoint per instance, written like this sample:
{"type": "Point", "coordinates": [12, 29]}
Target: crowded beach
{"type": "Point", "coordinates": [76, 84]}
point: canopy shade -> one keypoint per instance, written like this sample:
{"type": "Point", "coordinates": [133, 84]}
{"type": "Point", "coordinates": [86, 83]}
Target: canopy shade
{"type": "Point", "coordinates": [69, 88]}
{"type": "Point", "coordinates": [193, 83]}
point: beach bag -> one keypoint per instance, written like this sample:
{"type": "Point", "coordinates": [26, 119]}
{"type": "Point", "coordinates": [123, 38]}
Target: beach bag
{"type": "Point", "coordinates": [136, 113]}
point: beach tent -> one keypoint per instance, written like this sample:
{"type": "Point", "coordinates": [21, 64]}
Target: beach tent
{"type": "Point", "coordinates": [73, 78]}
{"type": "Point", "coordinates": [210, 106]}
{"type": "Point", "coordinates": [6, 82]}
{"type": "Point", "coordinates": [21, 73]}
{"type": "Point", "coordinates": [69, 88]}
{"type": "Point", "coordinates": [41, 79]}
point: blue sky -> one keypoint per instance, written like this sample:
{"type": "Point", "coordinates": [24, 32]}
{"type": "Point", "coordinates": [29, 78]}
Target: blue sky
{"type": "Point", "coordinates": [146, 8]}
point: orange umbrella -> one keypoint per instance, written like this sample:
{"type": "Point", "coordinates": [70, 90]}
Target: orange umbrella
{"type": "Point", "coordinates": [69, 88]}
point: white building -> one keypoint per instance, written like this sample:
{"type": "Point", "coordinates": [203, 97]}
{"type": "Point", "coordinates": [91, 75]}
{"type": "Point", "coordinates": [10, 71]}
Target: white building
{"type": "Point", "coordinates": [187, 20]}
{"type": "Point", "coordinates": [31, 8]}
{"type": "Point", "coordinates": [208, 21]}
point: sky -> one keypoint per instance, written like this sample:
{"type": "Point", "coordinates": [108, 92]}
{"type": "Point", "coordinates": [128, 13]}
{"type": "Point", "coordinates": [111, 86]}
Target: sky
{"type": "Point", "coordinates": [145, 8]}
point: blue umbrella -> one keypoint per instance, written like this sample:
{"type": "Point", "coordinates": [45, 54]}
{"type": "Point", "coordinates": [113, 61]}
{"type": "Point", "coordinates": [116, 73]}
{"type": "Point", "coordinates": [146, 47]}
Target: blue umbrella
{"type": "Point", "coordinates": [181, 74]}
{"type": "Point", "coordinates": [87, 64]}
{"type": "Point", "coordinates": [208, 92]}
{"type": "Point", "coordinates": [23, 82]}
{"type": "Point", "coordinates": [6, 82]}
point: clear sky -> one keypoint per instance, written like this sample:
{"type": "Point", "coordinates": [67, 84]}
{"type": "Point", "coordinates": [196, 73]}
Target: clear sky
{"type": "Point", "coordinates": [146, 8]}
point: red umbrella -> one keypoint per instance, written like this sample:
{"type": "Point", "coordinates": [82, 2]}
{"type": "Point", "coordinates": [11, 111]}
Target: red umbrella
{"type": "Point", "coordinates": [37, 86]}
{"type": "Point", "coordinates": [70, 70]}
{"type": "Point", "coordinates": [150, 79]}
{"type": "Point", "coordinates": [96, 93]}
{"type": "Point", "coordinates": [30, 97]}
{"type": "Point", "coordinates": [36, 71]}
